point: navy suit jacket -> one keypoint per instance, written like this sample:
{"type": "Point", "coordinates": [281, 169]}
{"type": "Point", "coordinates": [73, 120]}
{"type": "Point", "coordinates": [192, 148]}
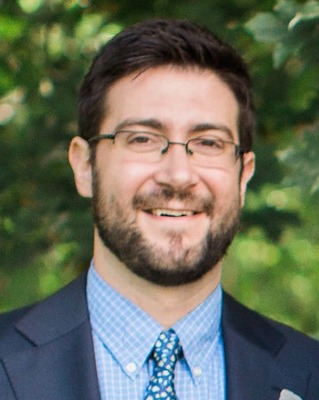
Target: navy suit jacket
{"type": "Point", "coordinates": [46, 353]}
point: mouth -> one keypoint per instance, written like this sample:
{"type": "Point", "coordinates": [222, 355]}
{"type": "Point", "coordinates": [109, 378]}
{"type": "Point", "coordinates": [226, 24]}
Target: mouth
{"type": "Point", "coordinates": [161, 212]}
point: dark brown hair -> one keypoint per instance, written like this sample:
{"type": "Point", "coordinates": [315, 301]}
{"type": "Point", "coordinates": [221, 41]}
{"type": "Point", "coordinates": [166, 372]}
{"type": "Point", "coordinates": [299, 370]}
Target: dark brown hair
{"type": "Point", "coordinates": [159, 42]}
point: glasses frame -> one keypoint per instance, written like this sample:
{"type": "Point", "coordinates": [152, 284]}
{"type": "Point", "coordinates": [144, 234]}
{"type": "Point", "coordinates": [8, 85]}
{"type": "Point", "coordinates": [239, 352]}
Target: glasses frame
{"type": "Point", "coordinates": [239, 152]}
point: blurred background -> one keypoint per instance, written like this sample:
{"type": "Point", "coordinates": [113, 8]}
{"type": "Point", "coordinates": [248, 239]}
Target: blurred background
{"type": "Point", "coordinates": [46, 228]}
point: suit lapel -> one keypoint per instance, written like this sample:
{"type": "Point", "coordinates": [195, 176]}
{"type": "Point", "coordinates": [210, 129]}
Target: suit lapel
{"type": "Point", "coordinates": [257, 362]}
{"type": "Point", "coordinates": [59, 362]}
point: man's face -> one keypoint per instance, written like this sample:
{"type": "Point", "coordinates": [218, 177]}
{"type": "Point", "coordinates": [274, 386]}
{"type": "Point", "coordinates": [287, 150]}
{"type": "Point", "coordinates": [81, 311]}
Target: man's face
{"type": "Point", "coordinates": [168, 221]}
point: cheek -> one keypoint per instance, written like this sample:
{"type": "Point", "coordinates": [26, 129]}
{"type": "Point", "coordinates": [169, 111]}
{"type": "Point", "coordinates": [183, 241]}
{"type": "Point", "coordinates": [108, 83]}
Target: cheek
{"type": "Point", "coordinates": [123, 179]}
{"type": "Point", "coordinates": [223, 186]}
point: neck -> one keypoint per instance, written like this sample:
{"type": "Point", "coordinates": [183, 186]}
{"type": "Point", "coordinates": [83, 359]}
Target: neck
{"type": "Point", "coordinates": [166, 305]}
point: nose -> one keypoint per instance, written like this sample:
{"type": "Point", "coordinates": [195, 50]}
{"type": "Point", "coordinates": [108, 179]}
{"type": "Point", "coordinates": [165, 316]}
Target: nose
{"type": "Point", "coordinates": [176, 169]}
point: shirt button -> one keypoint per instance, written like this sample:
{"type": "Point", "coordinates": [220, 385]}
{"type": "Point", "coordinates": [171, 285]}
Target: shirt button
{"type": "Point", "coordinates": [197, 371]}
{"type": "Point", "coordinates": [131, 367]}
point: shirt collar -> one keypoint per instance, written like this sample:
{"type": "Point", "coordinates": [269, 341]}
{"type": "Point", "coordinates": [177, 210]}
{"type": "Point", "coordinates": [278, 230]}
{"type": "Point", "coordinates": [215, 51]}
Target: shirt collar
{"type": "Point", "coordinates": [200, 331]}
{"type": "Point", "coordinates": [129, 333]}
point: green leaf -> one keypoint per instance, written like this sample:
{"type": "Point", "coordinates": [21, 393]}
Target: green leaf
{"type": "Point", "coordinates": [280, 55]}
{"type": "Point", "coordinates": [11, 28]}
{"type": "Point", "coordinates": [302, 158]}
{"type": "Point", "coordinates": [309, 12]}
{"type": "Point", "coordinates": [266, 27]}
{"type": "Point", "coordinates": [286, 9]}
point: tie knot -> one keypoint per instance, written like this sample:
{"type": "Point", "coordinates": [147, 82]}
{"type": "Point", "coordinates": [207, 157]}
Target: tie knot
{"type": "Point", "coordinates": [167, 349]}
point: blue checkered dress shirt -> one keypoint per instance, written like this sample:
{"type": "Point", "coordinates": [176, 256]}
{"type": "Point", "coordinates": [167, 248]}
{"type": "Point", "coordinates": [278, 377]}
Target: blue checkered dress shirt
{"type": "Point", "coordinates": [124, 335]}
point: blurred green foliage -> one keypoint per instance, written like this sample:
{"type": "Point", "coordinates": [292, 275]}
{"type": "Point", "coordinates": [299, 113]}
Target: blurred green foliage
{"type": "Point", "coordinates": [46, 228]}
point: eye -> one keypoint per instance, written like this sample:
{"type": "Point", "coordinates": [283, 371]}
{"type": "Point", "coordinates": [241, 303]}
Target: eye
{"type": "Point", "coordinates": [139, 137]}
{"type": "Point", "coordinates": [206, 146]}
{"type": "Point", "coordinates": [141, 141]}
{"type": "Point", "coordinates": [210, 142]}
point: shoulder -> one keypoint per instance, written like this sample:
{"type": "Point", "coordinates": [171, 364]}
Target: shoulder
{"type": "Point", "coordinates": [8, 333]}
{"type": "Point", "coordinates": [8, 318]}
{"type": "Point", "coordinates": [271, 354]}
{"type": "Point", "coordinates": [42, 321]}
{"type": "Point", "coordinates": [269, 334]}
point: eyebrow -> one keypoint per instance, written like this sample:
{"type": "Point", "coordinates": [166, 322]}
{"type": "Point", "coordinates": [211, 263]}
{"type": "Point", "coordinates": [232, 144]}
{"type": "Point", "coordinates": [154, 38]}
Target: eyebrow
{"type": "Point", "coordinates": [156, 124]}
{"type": "Point", "coordinates": [147, 123]}
{"type": "Point", "coordinates": [213, 127]}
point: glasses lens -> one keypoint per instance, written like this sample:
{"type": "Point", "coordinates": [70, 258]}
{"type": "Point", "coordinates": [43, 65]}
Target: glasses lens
{"type": "Point", "coordinates": [212, 152]}
{"type": "Point", "coordinates": [145, 146]}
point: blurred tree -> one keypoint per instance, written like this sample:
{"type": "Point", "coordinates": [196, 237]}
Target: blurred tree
{"type": "Point", "coordinates": [288, 100]}
{"type": "Point", "coordinates": [46, 228]}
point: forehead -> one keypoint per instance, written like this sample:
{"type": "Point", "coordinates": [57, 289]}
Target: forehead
{"type": "Point", "coordinates": [177, 98]}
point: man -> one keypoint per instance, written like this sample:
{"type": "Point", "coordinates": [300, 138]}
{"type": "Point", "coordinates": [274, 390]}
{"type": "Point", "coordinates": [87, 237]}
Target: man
{"type": "Point", "coordinates": [166, 124]}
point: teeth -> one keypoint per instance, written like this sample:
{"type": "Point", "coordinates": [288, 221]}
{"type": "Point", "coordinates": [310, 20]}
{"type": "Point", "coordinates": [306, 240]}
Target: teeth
{"type": "Point", "coordinates": [171, 213]}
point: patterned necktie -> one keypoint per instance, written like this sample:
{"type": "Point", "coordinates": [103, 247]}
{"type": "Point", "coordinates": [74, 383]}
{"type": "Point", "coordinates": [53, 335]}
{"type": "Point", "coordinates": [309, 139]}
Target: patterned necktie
{"type": "Point", "coordinates": [166, 352]}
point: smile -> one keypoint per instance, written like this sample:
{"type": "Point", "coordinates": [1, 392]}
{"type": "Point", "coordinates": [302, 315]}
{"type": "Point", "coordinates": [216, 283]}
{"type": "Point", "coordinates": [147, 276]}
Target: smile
{"type": "Point", "coordinates": [170, 213]}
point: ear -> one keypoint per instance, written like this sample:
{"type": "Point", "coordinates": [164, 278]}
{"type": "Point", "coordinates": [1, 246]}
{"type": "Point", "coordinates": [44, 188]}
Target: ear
{"type": "Point", "coordinates": [79, 158]}
{"type": "Point", "coordinates": [248, 170]}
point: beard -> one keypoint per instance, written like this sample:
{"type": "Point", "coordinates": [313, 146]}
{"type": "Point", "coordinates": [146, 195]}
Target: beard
{"type": "Point", "coordinates": [178, 265]}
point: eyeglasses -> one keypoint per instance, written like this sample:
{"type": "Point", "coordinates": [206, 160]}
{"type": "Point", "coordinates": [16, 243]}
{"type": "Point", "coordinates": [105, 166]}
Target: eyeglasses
{"type": "Point", "coordinates": [148, 147]}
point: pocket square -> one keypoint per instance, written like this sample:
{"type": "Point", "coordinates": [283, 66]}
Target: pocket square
{"type": "Point", "coordinates": [288, 395]}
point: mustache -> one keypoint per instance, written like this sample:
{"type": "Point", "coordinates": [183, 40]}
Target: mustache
{"type": "Point", "coordinates": [159, 198]}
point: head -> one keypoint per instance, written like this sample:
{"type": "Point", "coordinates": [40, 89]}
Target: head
{"type": "Point", "coordinates": [169, 221]}
{"type": "Point", "coordinates": [156, 43]}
